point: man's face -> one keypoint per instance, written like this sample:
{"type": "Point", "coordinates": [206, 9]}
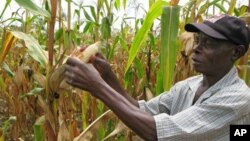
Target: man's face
{"type": "Point", "coordinates": [212, 56]}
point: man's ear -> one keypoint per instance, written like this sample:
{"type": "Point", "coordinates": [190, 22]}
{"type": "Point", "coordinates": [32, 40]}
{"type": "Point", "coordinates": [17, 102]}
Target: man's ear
{"type": "Point", "coordinates": [238, 52]}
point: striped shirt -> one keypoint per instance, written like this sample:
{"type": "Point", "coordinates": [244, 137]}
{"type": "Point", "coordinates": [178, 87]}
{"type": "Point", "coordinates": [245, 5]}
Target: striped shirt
{"type": "Point", "coordinates": [225, 103]}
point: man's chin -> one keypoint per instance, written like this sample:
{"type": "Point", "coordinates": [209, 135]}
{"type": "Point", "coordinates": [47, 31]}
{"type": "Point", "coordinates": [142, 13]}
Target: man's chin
{"type": "Point", "coordinates": [198, 70]}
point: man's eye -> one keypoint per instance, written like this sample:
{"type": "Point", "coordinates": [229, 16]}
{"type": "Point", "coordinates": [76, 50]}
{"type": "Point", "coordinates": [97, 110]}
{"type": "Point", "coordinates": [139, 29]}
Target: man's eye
{"type": "Point", "coordinates": [209, 43]}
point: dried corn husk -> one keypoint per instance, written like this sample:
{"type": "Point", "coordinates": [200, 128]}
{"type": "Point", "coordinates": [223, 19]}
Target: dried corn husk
{"type": "Point", "coordinates": [56, 80]}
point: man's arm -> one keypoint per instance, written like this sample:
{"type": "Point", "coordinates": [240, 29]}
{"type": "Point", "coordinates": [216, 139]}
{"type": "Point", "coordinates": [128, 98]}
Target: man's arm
{"type": "Point", "coordinates": [139, 121]}
{"type": "Point", "coordinates": [104, 69]}
{"type": "Point", "coordinates": [86, 77]}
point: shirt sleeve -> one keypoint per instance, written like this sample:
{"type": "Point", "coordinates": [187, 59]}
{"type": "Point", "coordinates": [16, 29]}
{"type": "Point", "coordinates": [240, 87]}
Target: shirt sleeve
{"type": "Point", "coordinates": [160, 104]}
{"type": "Point", "coordinates": [203, 121]}
{"type": "Point", "coordinates": [163, 102]}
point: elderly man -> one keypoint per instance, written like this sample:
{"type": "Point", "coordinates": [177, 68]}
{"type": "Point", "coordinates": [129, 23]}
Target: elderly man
{"type": "Point", "coordinates": [199, 108]}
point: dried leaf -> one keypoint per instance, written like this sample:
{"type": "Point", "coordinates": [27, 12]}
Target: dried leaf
{"type": "Point", "coordinates": [185, 68]}
{"type": "Point", "coordinates": [48, 114]}
{"type": "Point", "coordinates": [63, 134]}
{"type": "Point", "coordinates": [34, 48]}
{"type": "Point", "coordinates": [149, 94]}
{"type": "Point", "coordinates": [41, 79]}
{"type": "Point", "coordinates": [19, 77]}
{"type": "Point", "coordinates": [174, 2]}
{"type": "Point", "coordinates": [90, 131]}
{"type": "Point", "coordinates": [120, 127]}
{"type": "Point", "coordinates": [56, 78]}
{"type": "Point", "coordinates": [7, 44]}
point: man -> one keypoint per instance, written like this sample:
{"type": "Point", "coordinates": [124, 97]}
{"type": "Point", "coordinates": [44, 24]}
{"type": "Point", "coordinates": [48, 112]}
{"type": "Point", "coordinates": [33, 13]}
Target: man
{"type": "Point", "coordinates": [199, 108]}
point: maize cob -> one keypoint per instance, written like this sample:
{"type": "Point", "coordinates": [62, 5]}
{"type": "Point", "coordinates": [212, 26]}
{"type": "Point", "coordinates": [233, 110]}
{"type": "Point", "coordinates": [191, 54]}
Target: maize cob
{"type": "Point", "coordinates": [86, 54]}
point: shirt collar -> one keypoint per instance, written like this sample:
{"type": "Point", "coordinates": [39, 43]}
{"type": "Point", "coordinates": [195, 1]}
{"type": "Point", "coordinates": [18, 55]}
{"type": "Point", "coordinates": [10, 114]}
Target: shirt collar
{"type": "Point", "coordinates": [224, 81]}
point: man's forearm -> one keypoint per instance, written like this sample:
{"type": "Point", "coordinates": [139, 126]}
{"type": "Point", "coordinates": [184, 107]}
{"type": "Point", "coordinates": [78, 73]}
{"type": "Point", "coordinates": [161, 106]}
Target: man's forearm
{"type": "Point", "coordinates": [112, 80]}
{"type": "Point", "coordinates": [139, 121]}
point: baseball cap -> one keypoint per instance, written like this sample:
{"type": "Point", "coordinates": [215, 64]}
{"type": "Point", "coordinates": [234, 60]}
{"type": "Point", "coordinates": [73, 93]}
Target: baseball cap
{"type": "Point", "coordinates": [223, 27]}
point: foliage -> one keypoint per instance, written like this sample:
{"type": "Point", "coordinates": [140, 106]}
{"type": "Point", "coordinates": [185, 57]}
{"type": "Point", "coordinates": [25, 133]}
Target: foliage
{"type": "Point", "coordinates": [35, 43]}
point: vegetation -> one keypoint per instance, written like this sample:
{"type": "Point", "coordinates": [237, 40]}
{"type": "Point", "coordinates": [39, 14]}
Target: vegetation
{"type": "Point", "coordinates": [35, 102]}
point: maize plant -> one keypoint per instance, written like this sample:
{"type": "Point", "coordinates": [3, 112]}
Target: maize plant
{"type": "Point", "coordinates": [35, 101]}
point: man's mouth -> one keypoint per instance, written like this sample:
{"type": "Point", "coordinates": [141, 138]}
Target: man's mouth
{"type": "Point", "coordinates": [196, 61]}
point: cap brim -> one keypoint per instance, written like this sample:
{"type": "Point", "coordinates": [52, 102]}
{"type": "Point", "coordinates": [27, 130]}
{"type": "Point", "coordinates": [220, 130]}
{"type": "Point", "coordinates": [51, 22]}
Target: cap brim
{"type": "Point", "coordinates": [196, 27]}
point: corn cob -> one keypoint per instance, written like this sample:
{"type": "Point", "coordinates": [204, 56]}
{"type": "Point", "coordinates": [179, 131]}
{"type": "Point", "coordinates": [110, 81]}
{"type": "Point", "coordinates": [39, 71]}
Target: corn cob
{"type": "Point", "coordinates": [86, 54]}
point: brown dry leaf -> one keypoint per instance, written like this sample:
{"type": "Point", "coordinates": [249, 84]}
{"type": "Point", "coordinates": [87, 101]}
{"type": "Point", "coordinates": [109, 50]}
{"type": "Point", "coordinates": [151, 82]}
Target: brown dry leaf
{"type": "Point", "coordinates": [41, 79]}
{"type": "Point", "coordinates": [149, 94]}
{"type": "Point", "coordinates": [146, 95]}
{"type": "Point", "coordinates": [73, 129]}
{"type": "Point", "coordinates": [90, 131]}
{"type": "Point", "coordinates": [56, 78]}
{"type": "Point", "coordinates": [184, 67]}
{"type": "Point", "coordinates": [120, 127]}
{"type": "Point", "coordinates": [187, 42]}
{"type": "Point", "coordinates": [48, 114]}
{"type": "Point", "coordinates": [63, 133]}
{"type": "Point", "coordinates": [1, 132]}
{"type": "Point", "coordinates": [9, 40]}
{"type": "Point", "coordinates": [136, 138]}
{"type": "Point", "coordinates": [19, 76]}
{"type": "Point", "coordinates": [246, 17]}
{"type": "Point", "coordinates": [174, 2]}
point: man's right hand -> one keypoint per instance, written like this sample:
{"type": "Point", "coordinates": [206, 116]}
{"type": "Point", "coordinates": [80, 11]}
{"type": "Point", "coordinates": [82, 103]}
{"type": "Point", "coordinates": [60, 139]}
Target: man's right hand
{"type": "Point", "coordinates": [101, 65]}
{"type": "Point", "coordinates": [104, 68]}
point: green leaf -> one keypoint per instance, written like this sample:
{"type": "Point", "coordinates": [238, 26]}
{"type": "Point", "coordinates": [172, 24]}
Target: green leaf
{"type": "Point", "coordinates": [92, 9]}
{"type": "Point", "coordinates": [2, 84]}
{"type": "Point", "coordinates": [77, 12]}
{"type": "Point", "coordinates": [8, 70]}
{"type": "Point", "coordinates": [34, 49]}
{"type": "Point", "coordinates": [110, 54]}
{"type": "Point", "coordinates": [6, 125]}
{"type": "Point", "coordinates": [154, 12]}
{"type": "Point", "coordinates": [159, 82]}
{"type": "Point", "coordinates": [220, 7]}
{"type": "Point", "coordinates": [128, 78]}
{"type": "Point", "coordinates": [117, 4]}
{"type": "Point", "coordinates": [87, 15]}
{"type": "Point", "coordinates": [169, 49]}
{"type": "Point", "coordinates": [5, 6]}
{"type": "Point", "coordinates": [58, 34]}
{"type": "Point", "coordinates": [203, 8]}
{"type": "Point", "coordinates": [231, 7]}
{"type": "Point", "coordinates": [105, 28]}
{"type": "Point", "coordinates": [33, 92]}
{"type": "Point", "coordinates": [124, 4]}
{"type": "Point", "coordinates": [242, 10]}
{"type": "Point", "coordinates": [87, 27]}
{"type": "Point", "coordinates": [139, 68]}
{"type": "Point", "coordinates": [32, 7]}
{"type": "Point", "coordinates": [124, 44]}
{"type": "Point", "coordinates": [39, 129]}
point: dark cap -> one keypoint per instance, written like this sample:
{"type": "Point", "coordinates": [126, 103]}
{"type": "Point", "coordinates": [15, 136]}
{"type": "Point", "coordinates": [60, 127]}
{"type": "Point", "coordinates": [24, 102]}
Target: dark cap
{"type": "Point", "coordinates": [223, 27]}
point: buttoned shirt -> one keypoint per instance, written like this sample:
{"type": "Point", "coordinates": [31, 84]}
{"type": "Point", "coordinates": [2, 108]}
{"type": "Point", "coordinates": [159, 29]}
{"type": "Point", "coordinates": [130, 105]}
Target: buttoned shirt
{"type": "Point", "coordinates": [177, 118]}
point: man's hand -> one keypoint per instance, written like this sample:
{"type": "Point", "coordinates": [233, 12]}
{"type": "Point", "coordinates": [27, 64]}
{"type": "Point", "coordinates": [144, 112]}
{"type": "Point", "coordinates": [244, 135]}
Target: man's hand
{"type": "Point", "coordinates": [82, 75]}
{"type": "Point", "coordinates": [103, 67]}
{"type": "Point", "coordinates": [86, 77]}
